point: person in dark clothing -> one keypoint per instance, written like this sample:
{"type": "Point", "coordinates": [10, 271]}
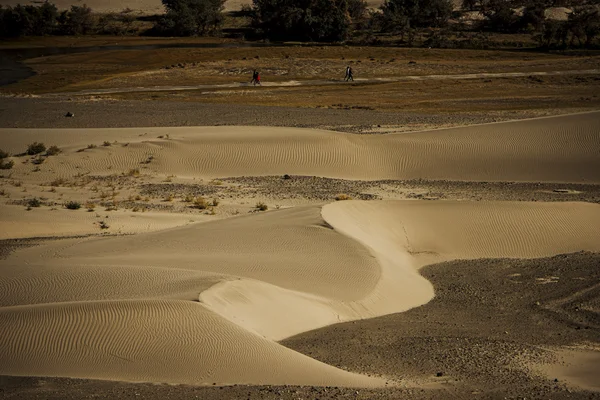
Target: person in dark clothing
{"type": "Point", "coordinates": [349, 74]}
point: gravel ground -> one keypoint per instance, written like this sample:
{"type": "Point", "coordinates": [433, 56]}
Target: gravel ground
{"type": "Point", "coordinates": [326, 189]}
{"type": "Point", "coordinates": [50, 113]}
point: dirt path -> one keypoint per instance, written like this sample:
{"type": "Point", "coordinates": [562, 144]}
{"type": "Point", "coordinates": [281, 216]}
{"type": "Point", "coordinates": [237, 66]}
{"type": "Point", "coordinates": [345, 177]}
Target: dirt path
{"type": "Point", "coordinates": [361, 81]}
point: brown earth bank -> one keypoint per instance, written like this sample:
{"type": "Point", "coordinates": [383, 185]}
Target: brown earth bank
{"type": "Point", "coordinates": [491, 323]}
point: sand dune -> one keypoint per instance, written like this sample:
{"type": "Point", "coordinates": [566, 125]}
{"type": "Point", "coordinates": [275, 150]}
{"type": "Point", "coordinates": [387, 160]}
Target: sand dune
{"type": "Point", "coordinates": [205, 302]}
{"type": "Point", "coordinates": [132, 300]}
{"type": "Point", "coordinates": [557, 149]}
{"type": "Point", "coordinates": [45, 222]}
{"type": "Point", "coordinates": [155, 341]}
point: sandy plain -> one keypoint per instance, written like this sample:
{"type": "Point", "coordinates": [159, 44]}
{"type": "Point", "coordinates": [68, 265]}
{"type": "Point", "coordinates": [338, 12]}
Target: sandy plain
{"type": "Point", "coordinates": [222, 261]}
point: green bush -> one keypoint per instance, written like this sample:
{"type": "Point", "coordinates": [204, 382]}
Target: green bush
{"type": "Point", "coordinates": [73, 205]}
{"type": "Point", "coordinates": [6, 164]}
{"type": "Point", "coordinates": [53, 150]}
{"type": "Point", "coordinates": [35, 148]}
{"type": "Point", "coordinates": [35, 202]}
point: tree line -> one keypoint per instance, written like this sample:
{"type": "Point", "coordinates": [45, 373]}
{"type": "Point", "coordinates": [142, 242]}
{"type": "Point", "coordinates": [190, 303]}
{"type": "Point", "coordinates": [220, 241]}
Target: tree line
{"type": "Point", "coordinates": [323, 20]}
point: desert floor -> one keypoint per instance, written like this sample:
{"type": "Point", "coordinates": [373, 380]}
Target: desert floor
{"type": "Point", "coordinates": [429, 231]}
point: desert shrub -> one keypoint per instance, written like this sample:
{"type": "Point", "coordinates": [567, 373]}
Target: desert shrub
{"type": "Point", "coordinates": [135, 172]}
{"type": "Point", "coordinates": [35, 148]}
{"type": "Point", "coordinates": [103, 225]}
{"type": "Point", "coordinates": [3, 154]}
{"type": "Point", "coordinates": [72, 205]}
{"type": "Point", "coordinates": [341, 197]}
{"type": "Point", "coordinates": [188, 198]}
{"type": "Point", "coordinates": [106, 143]}
{"type": "Point", "coordinates": [215, 202]}
{"type": "Point", "coordinates": [261, 206]}
{"type": "Point", "coordinates": [35, 202]}
{"type": "Point", "coordinates": [58, 182]}
{"type": "Point", "coordinates": [53, 150]}
{"type": "Point", "coordinates": [90, 206]}
{"type": "Point", "coordinates": [38, 160]}
{"type": "Point", "coordinates": [313, 20]}
{"type": "Point", "coordinates": [190, 17]}
{"type": "Point", "coordinates": [6, 164]}
{"type": "Point", "coordinates": [201, 203]}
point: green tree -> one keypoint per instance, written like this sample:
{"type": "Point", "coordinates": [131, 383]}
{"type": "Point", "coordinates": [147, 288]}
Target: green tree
{"type": "Point", "coordinates": [314, 20]}
{"type": "Point", "coordinates": [402, 14]}
{"type": "Point", "coordinates": [78, 20]}
{"type": "Point", "coordinates": [191, 17]}
{"type": "Point", "coordinates": [584, 25]}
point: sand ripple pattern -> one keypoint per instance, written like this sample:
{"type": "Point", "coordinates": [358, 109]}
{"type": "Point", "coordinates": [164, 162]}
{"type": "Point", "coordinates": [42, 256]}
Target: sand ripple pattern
{"type": "Point", "coordinates": [150, 340]}
{"type": "Point", "coordinates": [555, 149]}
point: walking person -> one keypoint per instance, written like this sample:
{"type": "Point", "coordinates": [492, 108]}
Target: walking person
{"type": "Point", "coordinates": [257, 80]}
{"type": "Point", "coordinates": [349, 75]}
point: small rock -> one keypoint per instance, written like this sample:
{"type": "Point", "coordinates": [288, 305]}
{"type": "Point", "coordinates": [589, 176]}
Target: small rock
{"type": "Point", "coordinates": [412, 62]}
{"type": "Point", "coordinates": [286, 176]}
{"type": "Point", "coordinates": [69, 114]}
{"type": "Point", "coordinates": [439, 374]}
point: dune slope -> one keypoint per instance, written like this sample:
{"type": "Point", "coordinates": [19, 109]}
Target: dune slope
{"type": "Point", "coordinates": [127, 308]}
{"type": "Point", "coordinates": [556, 149]}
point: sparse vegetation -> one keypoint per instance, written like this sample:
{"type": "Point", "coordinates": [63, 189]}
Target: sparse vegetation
{"type": "Point", "coordinates": [53, 150]}
{"type": "Point", "coordinates": [35, 202]}
{"type": "Point", "coordinates": [35, 148]}
{"type": "Point", "coordinates": [261, 206]}
{"type": "Point", "coordinates": [216, 182]}
{"type": "Point", "coordinates": [201, 203]}
{"type": "Point", "coordinates": [72, 205]}
{"type": "Point", "coordinates": [215, 202]}
{"type": "Point", "coordinates": [103, 225]}
{"type": "Point", "coordinates": [134, 172]}
{"type": "Point", "coordinates": [3, 154]}
{"type": "Point", "coordinates": [91, 146]}
{"type": "Point", "coordinates": [106, 143]}
{"type": "Point", "coordinates": [341, 197]}
{"type": "Point", "coordinates": [58, 182]}
{"type": "Point", "coordinates": [6, 164]}
{"type": "Point", "coordinates": [38, 160]}
{"type": "Point", "coordinates": [90, 206]}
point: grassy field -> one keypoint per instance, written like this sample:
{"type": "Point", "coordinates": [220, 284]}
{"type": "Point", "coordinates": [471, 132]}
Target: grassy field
{"type": "Point", "coordinates": [317, 68]}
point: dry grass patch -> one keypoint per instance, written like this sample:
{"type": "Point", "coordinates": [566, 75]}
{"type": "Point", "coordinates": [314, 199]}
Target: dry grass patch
{"type": "Point", "coordinates": [341, 197]}
{"type": "Point", "coordinates": [201, 203]}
